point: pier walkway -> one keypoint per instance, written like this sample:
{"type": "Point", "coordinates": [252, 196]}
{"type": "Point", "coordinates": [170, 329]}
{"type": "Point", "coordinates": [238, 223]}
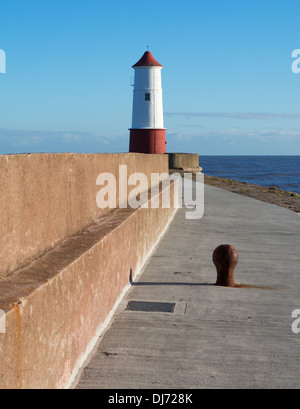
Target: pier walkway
{"type": "Point", "coordinates": [215, 337]}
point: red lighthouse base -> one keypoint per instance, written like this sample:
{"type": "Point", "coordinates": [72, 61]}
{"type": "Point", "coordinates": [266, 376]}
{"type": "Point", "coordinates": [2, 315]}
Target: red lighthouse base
{"type": "Point", "coordinates": [147, 141]}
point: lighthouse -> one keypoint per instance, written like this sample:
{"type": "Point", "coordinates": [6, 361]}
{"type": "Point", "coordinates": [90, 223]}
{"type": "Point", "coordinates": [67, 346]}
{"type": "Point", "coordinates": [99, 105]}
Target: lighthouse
{"type": "Point", "coordinates": [147, 134]}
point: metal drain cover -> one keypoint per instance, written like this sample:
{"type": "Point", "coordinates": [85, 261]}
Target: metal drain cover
{"type": "Point", "coordinates": [151, 306]}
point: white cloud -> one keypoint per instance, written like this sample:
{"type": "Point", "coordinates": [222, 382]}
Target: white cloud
{"type": "Point", "coordinates": [235, 115]}
{"type": "Point", "coordinates": [15, 141]}
{"type": "Point", "coordinates": [233, 134]}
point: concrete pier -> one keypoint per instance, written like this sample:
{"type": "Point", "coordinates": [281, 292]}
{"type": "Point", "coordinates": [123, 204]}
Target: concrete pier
{"type": "Point", "coordinates": [65, 262]}
{"type": "Point", "coordinates": [216, 337]}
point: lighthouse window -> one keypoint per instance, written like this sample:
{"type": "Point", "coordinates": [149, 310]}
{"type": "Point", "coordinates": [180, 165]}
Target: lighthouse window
{"type": "Point", "coordinates": [147, 97]}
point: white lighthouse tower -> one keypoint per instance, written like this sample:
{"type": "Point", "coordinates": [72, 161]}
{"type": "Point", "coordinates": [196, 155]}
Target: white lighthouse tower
{"type": "Point", "coordinates": [147, 134]}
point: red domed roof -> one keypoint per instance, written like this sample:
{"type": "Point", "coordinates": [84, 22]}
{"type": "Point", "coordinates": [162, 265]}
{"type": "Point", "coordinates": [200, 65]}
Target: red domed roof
{"type": "Point", "coordinates": [147, 60]}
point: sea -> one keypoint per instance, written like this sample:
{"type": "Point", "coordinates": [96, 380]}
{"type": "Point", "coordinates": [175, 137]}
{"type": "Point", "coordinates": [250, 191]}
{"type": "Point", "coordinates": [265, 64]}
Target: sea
{"type": "Point", "coordinates": [282, 172]}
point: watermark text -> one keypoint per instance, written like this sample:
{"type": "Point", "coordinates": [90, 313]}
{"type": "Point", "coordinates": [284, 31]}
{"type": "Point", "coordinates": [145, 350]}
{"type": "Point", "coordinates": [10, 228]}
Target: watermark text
{"type": "Point", "coordinates": [296, 62]}
{"type": "Point", "coordinates": [296, 323]}
{"type": "Point", "coordinates": [2, 62]}
{"type": "Point", "coordinates": [133, 191]}
{"type": "Point", "coordinates": [2, 322]}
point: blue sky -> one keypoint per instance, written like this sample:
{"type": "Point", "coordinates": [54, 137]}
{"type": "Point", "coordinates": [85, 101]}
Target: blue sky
{"type": "Point", "coordinates": [227, 79]}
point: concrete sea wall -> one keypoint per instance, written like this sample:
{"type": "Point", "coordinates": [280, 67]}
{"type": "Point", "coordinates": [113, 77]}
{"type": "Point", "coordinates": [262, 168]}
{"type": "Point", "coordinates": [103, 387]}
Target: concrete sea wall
{"type": "Point", "coordinates": [45, 198]}
{"type": "Point", "coordinates": [188, 162]}
{"type": "Point", "coordinates": [64, 263]}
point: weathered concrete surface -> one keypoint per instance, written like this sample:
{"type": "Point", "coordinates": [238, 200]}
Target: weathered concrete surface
{"type": "Point", "coordinates": [45, 198]}
{"type": "Point", "coordinates": [184, 161]}
{"type": "Point", "coordinates": [219, 337]}
{"type": "Point", "coordinates": [58, 305]}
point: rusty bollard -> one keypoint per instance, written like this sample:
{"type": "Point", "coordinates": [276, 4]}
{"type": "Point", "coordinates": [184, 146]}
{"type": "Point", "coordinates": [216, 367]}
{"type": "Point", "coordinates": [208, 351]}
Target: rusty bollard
{"type": "Point", "coordinates": [225, 258]}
